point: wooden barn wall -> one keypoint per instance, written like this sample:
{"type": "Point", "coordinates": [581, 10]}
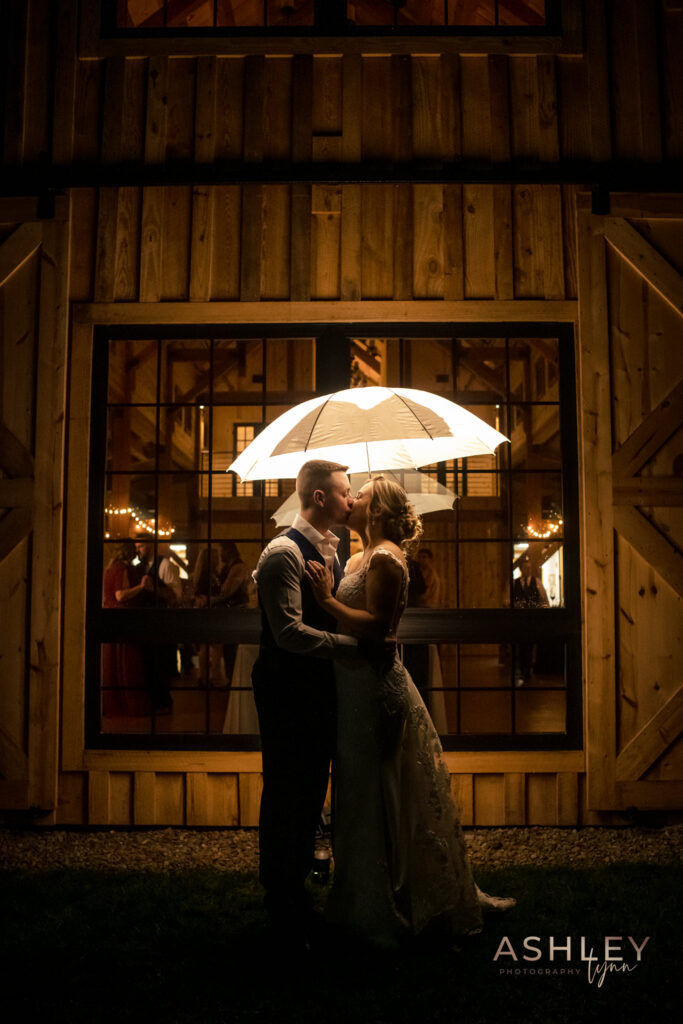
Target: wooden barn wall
{"type": "Point", "coordinates": [617, 96]}
{"type": "Point", "coordinates": [616, 99]}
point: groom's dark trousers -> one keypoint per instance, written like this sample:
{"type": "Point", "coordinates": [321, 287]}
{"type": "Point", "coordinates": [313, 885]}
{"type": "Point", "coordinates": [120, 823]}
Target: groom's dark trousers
{"type": "Point", "coordinates": [295, 699]}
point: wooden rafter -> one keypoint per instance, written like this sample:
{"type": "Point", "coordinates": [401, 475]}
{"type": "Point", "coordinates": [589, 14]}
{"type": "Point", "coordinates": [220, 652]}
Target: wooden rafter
{"type": "Point", "coordinates": [15, 458]}
{"type": "Point", "coordinates": [16, 491]}
{"type": "Point", "coordinates": [651, 544]}
{"type": "Point", "coordinates": [19, 248]}
{"type": "Point", "coordinates": [650, 435]}
{"type": "Point", "coordinates": [484, 373]}
{"type": "Point", "coordinates": [13, 528]}
{"type": "Point", "coordinates": [654, 739]}
{"type": "Point", "coordinates": [645, 260]}
{"type": "Point", "coordinates": [651, 491]}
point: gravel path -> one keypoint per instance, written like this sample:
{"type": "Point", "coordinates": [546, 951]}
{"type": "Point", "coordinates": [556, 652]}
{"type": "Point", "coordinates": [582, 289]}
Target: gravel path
{"type": "Point", "coordinates": [178, 849]}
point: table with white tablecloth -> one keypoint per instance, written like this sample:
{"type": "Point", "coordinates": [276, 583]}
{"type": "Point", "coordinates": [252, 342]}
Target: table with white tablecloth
{"type": "Point", "coordinates": [240, 714]}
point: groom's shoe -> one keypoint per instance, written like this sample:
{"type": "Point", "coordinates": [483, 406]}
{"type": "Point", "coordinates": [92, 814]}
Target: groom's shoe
{"type": "Point", "coordinates": [294, 926]}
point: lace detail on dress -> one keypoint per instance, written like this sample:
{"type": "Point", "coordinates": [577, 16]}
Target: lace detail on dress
{"type": "Point", "coordinates": [400, 856]}
{"type": "Point", "coordinates": [351, 589]}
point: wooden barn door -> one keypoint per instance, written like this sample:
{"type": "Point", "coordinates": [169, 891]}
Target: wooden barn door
{"type": "Point", "coordinates": [33, 270]}
{"type": "Point", "coordinates": [631, 392]}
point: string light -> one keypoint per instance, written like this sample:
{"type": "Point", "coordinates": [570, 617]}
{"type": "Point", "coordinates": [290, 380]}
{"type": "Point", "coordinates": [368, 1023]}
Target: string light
{"type": "Point", "coordinates": [148, 525]}
{"type": "Point", "coordinates": [553, 528]}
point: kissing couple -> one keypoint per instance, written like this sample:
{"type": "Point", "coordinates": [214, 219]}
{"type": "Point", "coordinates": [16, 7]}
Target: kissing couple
{"type": "Point", "coordinates": [329, 685]}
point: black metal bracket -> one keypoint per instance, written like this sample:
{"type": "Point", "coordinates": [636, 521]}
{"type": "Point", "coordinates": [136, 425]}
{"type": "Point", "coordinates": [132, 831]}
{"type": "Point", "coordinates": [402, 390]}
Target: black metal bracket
{"type": "Point", "coordinates": [600, 201]}
{"type": "Point", "coordinates": [46, 204]}
{"type": "Point", "coordinates": [604, 178]}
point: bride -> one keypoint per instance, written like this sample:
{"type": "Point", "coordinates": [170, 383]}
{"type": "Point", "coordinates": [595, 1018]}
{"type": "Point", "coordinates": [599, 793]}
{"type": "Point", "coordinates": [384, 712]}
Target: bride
{"type": "Point", "coordinates": [400, 860]}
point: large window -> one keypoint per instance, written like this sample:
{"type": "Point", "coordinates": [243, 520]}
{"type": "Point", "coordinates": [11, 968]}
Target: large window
{"type": "Point", "coordinates": [344, 17]}
{"type": "Point", "coordinates": [492, 632]}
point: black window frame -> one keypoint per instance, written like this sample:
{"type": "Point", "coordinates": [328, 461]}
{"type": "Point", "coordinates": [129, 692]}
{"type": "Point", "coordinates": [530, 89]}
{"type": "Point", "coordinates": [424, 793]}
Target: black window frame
{"type": "Point", "coordinates": [453, 626]}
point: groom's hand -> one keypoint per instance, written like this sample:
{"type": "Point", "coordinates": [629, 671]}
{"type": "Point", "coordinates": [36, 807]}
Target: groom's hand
{"type": "Point", "coordinates": [381, 653]}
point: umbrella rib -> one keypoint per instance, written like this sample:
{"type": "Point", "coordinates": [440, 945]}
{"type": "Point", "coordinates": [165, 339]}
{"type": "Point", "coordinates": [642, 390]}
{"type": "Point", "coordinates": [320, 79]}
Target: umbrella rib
{"type": "Point", "coordinates": [315, 421]}
{"type": "Point", "coordinates": [413, 413]}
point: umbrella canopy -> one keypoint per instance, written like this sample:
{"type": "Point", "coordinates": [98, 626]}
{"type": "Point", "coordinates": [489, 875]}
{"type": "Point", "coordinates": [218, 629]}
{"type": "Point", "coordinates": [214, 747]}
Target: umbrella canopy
{"type": "Point", "coordinates": [367, 429]}
{"type": "Point", "coordinates": [424, 492]}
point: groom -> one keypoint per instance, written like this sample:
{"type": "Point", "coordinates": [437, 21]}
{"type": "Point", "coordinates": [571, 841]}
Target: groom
{"type": "Point", "coordinates": [295, 693]}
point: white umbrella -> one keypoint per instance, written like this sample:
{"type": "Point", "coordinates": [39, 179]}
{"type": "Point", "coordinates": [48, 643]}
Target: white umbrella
{"type": "Point", "coordinates": [424, 492]}
{"type": "Point", "coordinates": [367, 429]}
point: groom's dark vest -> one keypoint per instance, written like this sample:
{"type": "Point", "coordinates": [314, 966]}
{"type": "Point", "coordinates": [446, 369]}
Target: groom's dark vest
{"type": "Point", "coordinates": [288, 666]}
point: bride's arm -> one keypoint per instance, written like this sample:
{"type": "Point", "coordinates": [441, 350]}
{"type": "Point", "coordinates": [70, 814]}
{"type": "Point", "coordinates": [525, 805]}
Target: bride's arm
{"type": "Point", "coordinates": [383, 585]}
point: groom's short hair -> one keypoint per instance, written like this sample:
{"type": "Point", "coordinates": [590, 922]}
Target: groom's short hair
{"type": "Point", "coordinates": [315, 475]}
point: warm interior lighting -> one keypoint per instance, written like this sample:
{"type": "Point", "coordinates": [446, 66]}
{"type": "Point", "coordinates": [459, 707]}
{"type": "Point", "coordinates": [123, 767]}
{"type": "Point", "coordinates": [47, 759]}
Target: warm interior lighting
{"type": "Point", "coordinates": [551, 530]}
{"type": "Point", "coordinates": [148, 525]}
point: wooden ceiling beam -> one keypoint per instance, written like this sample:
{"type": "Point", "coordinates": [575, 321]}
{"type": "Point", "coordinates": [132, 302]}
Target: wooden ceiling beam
{"type": "Point", "coordinates": [613, 176]}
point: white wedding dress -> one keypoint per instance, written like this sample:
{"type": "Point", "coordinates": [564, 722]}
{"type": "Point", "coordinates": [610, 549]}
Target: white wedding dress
{"type": "Point", "coordinates": [400, 860]}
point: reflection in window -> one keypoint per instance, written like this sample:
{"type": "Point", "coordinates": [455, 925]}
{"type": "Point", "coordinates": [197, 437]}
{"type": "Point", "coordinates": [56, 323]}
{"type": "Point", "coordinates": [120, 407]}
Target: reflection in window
{"type": "Point", "coordinates": [179, 531]}
{"type": "Point", "coordinates": [510, 501]}
{"type": "Point", "coordinates": [478, 689]}
{"type": "Point", "coordinates": [502, 545]}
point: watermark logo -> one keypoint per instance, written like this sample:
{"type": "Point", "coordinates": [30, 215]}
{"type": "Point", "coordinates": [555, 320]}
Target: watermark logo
{"type": "Point", "coordinates": [613, 954]}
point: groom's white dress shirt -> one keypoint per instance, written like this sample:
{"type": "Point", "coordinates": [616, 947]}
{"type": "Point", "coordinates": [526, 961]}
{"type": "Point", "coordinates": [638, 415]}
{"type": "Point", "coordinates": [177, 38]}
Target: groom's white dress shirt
{"type": "Point", "coordinates": [278, 576]}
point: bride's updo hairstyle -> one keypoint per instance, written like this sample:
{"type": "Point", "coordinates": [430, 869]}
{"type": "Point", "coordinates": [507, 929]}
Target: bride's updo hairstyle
{"type": "Point", "coordinates": [390, 506]}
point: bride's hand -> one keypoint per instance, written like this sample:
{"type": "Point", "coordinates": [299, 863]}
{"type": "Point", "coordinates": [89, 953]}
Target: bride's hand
{"type": "Point", "coordinates": [319, 579]}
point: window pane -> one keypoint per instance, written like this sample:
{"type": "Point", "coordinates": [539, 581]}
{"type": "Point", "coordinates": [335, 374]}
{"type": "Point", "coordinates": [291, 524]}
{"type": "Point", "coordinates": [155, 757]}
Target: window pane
{"type": "Point", "coordinates": [433, 573]}
{"type": "Point", "coordinates": [485, 712]}
{"type": "Point", "coordinates": [291, 12]}
{"type": "Point", "coordinates": [484, 516]}
{"type": "Point", "coordinates": [537, 505]}
{"type": "Point", "coordinates": [485, 666]}
{"type": "Point", "coordinates": [540, 711]}
{"type": "Point", "coordinates": [185, 371]}
{"type": "Point", "coordinates": [427, 364]}
{"type": "Point", "coordinates": [535, 437]}
{"type": "Point", "coordinates": [220, 574]}
{"type": "Point", "coordinates": [534, 369]}
{"type": "Point", "coordinates": [481, 366]}
{"type": "Point", "coordinates": [136, 682]}
{"type": "Point", "coordinates": [421, 12]}
{"type": "Point", "coordinates": [484, 575]}
{"type": "Point", "coordinates": [190, 14]}
{"type": "Point", "coordinates": [370, 12]}
{"type": "Point", "coordinates": [140, 13]}
{"type": "Point", "coordinates": [240, 714]}
{"type": "Point", "coordinates": [538, 575]}
{"type": "Point", "coordinates": [233, 427]}
{"type": "Point", "coordinates": [237, 369]}
{"type": "Point", "coordinates": [471, 12]}
{"type": "Point", "coordinates": [132, 371]}
{"type": "Point", "coordinates": [290, 368]}
{"type": "Point", "coordinates": [131, 437]}
{"type": "Point", "coordinates": [239, 12]}
{"type": "Point", "coordinates": [183, 510]}
{"type": "Point", "coordinates": [130, 505]}
{"type": "Point", "coordinates": [540, 664]}
{"type": "Point", "coordinates": [521, 12]}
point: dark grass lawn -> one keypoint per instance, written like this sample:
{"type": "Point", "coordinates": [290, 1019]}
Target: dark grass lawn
{"type": "Point", "coordinates": [193, 947]}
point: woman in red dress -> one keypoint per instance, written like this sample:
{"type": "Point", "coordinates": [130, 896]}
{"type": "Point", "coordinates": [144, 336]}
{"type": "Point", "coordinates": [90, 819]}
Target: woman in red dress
{"type": "Point", "coordinates": [123, 674]}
